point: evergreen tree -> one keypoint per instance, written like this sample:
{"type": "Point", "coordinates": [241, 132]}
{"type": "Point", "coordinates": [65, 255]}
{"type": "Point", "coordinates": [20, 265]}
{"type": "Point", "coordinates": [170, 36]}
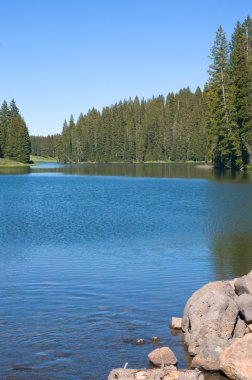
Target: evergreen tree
{"type": "Point", "coordinates": [18, 147]}
{"type": "Point", "coordinates": [14, 136]}
{"type": "Point", "coordinates": [240, 79]}
{"type": "Point", "coordinates": [4, 120]}
{"type": "Point", "coordinates": [223, 141]}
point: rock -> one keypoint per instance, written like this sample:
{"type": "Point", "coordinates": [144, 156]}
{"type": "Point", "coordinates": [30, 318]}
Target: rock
{"type": "Point", "coordinates": [232, 283]}
{"type": "Point", "coordinates": [211, 310]}
{"type": "Point", "coordinates": [240, 328]}
{"type": "Point", "coordinates": [247, 330]}
{"type": "Point", "coordinates": [162, 356]}
{"type": "Point", "coordinates": [249, 327]}
{"type": "Point", "coordinates": [243, 285]}
{"type": "Point", "coordinates": [155, 374]}
{"type": "Point", "coordinates": [155, 339]}
{"type": "Point", "coordinates": [208, 357]}
{"type": "Point", "coordinates": [139, 341]}
{"type": "Point", "coordinates": [236, 360]}
{"type": "Point", "coordinates": [244, 303]}
{"type": "Point", "coordinates": [176, 323]}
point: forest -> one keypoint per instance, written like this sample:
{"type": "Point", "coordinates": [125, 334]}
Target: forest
{"type": "Point", "coordinates": [213, 124]}
{"type": "Point", "coordinates": [14, 136]}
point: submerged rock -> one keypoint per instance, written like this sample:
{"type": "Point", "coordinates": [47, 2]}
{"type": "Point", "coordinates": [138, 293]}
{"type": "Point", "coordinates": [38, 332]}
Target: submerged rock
{"type": "Point", "coordinates": [162, 357]}
{"type": "Point", "coordinates": [155, 339]}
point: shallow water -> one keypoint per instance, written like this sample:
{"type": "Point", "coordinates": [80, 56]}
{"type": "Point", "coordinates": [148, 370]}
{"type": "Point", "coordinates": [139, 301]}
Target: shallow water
{"type": "Point", "coordinates": [94, 257]}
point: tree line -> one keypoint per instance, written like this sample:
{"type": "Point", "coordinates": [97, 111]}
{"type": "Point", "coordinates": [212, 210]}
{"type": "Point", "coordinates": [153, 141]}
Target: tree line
{"type": "Point", "coordinates": [171, 128]}
{"type": "Point", "coordinates": [214, 124]}
{"type": "Point", "coordinates": [228, 98]}
{"type": "Point", "coordinates": [14, 136]}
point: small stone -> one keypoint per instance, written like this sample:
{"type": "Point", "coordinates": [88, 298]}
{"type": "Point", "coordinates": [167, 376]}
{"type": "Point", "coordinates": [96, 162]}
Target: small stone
{"type": "Point", "coordinates": [155, 339]}
{"type": "Point", "coordinates": [140, 341]}
{"type": "Point", "coordinates": [141, 375]}
{"type": "Point", "coordinates": [176, 323]}
{"type": "Point", "coordinates": [162, 356]}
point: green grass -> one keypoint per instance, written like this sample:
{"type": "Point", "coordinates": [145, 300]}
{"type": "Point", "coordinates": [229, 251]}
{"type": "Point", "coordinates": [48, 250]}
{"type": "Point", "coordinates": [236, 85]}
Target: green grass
{"type": "Point", "coordinates": [43, 159]}
{"type": "Point", "coordinates": [5, 162]}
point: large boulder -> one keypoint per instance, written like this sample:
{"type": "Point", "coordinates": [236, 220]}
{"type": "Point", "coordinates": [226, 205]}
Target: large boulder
{"type": "Point", "coordinates": [208, 357]}
{"type": "Point", "coordinates": [211, 310]}
{"type": "Point", "coordinates": [236, 360]}
{"type": "Point", "coordinates": [243, 285]}
{"type": "Point", "coordinates": [162, 357]}
{"type": "Point", "coordinates": [244, 303]}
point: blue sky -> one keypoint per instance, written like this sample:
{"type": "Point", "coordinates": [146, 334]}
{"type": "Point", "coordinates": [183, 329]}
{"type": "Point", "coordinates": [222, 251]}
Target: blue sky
{"type": "Point", "coordinates": [59, 57]}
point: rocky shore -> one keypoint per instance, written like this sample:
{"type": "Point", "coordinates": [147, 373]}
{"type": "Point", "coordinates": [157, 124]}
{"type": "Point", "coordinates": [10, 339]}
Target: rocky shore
{"type": "Point", "coordinates": [217, 327]}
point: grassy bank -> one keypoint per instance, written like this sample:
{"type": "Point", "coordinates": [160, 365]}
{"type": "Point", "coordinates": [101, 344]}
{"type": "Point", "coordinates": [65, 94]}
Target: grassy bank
{"type": "Point", "coordinates": [43, 159]}
{"type": "Point", "coordinates": [5, 162]}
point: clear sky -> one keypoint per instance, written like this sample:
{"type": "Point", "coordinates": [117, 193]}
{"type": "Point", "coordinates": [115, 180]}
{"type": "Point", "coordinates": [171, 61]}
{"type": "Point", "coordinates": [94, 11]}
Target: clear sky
{"type": "Point", "coordinates": [59, 57]}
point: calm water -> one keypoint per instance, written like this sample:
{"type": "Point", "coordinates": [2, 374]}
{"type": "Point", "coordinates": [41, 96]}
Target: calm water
{"type": "Point", "coordinates": [93, 257]}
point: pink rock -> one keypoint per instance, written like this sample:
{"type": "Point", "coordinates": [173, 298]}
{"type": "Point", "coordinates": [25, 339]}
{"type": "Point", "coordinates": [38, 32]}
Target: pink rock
{"type": "Point", "coordinates": [176, 323]}
{"type": "Point", "coordinates": [162, 356]}
{"type": "Point", "coordinates": [236, 360]}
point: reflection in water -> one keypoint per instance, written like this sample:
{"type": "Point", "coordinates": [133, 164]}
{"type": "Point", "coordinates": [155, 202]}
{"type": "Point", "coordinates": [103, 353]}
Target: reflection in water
{"type": "Point", "coordinates": [17, 170]}
{"type": "Point", "coordinates": [232, 255]}
{"type": "Point", "coordinates": [154, 170]}
{"type": "Point", "coordinates": [230, 227]}
{"type": "Point", "coordinates": [90, 264]}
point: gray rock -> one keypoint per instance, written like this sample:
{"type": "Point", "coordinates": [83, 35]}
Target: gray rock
{"type": "Point", "coordinates": [162, 357]}
{"type": "Point", "coordinates": [211, 310]}
{"type": "Point", "coordinates": [236, 360]}
{"type": "Point", "coordinates": [208, 357]}
{"type": "Point", "coordinates": [243, 285]}
{"type": "Point", "coordinates": [240, 328]}
{"type": "Point", "coordinates": [244, 303]}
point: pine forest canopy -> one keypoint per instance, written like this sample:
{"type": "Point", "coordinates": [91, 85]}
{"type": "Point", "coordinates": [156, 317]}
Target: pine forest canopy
{"type": "Point", "coordinates": [214, 124]}
{"type": "Point", "coordinates": [14, 136]}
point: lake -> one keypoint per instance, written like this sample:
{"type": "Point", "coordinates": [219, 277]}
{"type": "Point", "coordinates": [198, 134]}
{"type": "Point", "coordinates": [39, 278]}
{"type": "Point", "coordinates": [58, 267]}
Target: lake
{"type": "Point", "coordinates": [94, 257]}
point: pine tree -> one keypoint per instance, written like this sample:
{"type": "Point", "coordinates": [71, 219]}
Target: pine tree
{"type": "Point", "coordinates": [18, 142]}
{"type": "Point", "coordinates": [247, 31]}
{"type": "Point", "coordinates": [4, 120]}
{"type": "Point", "coordinates": [223, 140]}
{"type": "Point", "coordinates": [240, 79]}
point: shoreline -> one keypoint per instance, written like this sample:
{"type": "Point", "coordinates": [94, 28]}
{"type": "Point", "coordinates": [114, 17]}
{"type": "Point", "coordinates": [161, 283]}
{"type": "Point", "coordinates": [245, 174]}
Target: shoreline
{"type": "Point", "coordinates": [217, 333]}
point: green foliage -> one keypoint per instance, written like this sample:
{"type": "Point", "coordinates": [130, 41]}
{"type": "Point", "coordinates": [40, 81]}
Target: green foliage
{"type": "Point", "coordinates": [14, 136]}
{"type": "Point", "coordinates": [228, 98]}
{"type": "Point", "coordinates": [214, 124]}
{"type": "Point", "coordinates": [147, 130]}
{"type": "Point", "coordinates": [48, 146]}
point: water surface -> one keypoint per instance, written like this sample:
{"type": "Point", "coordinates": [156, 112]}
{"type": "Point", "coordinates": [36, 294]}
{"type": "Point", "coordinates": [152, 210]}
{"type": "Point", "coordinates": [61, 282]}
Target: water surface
{"type": "Point", "coordinates": [94, 257]}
